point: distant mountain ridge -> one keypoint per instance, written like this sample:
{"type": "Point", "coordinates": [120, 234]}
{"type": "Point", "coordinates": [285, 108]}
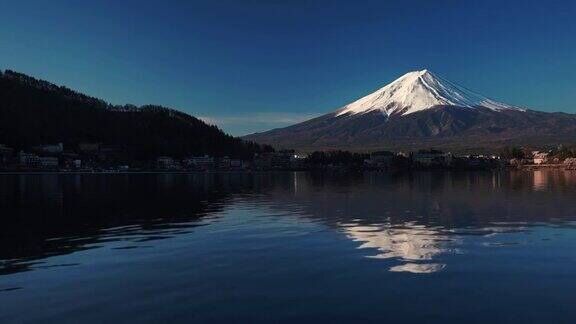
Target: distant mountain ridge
{"type": "Point", "coordinates": [421, 109]}
{"type": "Point", "coordinates": [34, 112]}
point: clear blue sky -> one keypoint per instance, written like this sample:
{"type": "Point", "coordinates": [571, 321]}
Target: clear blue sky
{"type": "Point", "coordinates": [255, 65]}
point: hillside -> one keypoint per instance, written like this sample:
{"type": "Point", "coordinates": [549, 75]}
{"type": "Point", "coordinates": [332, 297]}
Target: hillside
{"type": "Point", "coordinates": [34, 112]}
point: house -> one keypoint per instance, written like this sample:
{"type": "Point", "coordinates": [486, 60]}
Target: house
{"type": "Point", "coordinates": [540, 157]}
{"type": "Point", "coordinates": [48, 162]}
{"type": "Point", "coordinates": [28, 160]}
{"type": "Point", "coordinates": [166, 163]}
{"type": "Point", "coordinates": [70, 160]}
{"type": "Point", "coordinates": [205, 162]}
{"type": "Point", "coordinates": [279, 160]}
{"type": "Point", "coordinates": [432, 157]}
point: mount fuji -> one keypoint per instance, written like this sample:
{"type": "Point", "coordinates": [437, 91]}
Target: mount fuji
{"type": "Point", "coordinates": [421, 109]}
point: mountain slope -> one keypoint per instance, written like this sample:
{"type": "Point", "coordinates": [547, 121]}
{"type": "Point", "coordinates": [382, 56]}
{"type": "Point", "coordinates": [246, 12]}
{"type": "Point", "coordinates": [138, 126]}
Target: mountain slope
{"type": "Point", "coordinates": [36, 112]}
{"type": "Point", "coordinates": [419, 110]}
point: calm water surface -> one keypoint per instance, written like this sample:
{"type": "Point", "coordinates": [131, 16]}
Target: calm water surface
{"type": "Point", "coordinates": [289, 247]}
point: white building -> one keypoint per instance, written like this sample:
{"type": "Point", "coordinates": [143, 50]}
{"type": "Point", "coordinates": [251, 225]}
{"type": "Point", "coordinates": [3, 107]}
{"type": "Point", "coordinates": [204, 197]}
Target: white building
{"type": "Point", "coordinates": [433, 158]}
{"type": "Point", "coordinates": [203, 162]}
{"type": "Point", "coordinates": [48, 162]}
{"type": "Point", "coordinates": [166, 163]}
{"type": "Point", "coordinates": [28, 160]}
{"type": "Point", "coordinates": [540, 157]}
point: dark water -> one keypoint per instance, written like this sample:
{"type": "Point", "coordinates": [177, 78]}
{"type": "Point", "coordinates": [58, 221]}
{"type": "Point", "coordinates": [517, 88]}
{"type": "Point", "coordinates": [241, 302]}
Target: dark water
{"type": "Point", "coordinates": [289, 247]}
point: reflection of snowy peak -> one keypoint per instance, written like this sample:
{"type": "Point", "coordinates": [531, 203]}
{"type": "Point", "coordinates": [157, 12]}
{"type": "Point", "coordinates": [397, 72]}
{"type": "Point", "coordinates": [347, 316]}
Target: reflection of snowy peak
{"type": "Point", "coordinates": [415, 245]}
{"type": "Point", "coordinates": [416, 91]}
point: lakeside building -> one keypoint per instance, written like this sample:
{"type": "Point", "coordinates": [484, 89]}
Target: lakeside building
{"type": "Point", "coordinates": [166, 163]}
{"type": "Point", "coordinates": [539, 157]}
{"type": "Point", "coordinates": [205, 162]}
{"type": "Point", "coordinates": [71, 160]}
{"type": "Point", "coordinates": [28, 160]}
{"type": "Point", "coordinates": [432, 157]}
{"type": "Point", "coordinates": [97, 157]}
{"type": "Point", "coordinates": [77, 164]}
{"type": "Point", "coordinates": [282, 160]}
{"type": "Point", "coordinates": [33, 161]}
{"type": "Point", "coordinates": [48, 162]}
{"type": "Point", "coordinates": [381, 159]}
{"type": "Point", "coordinates": [478, 162]}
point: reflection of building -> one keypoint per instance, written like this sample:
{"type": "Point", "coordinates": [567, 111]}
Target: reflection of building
{"type": "Point", "coordinates": [540, 180]}
{"type": "Point", "coordinates": [413, 243]}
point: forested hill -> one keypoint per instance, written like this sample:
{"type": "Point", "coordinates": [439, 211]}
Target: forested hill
{"type": "Point", "coordinates": [34, 112]}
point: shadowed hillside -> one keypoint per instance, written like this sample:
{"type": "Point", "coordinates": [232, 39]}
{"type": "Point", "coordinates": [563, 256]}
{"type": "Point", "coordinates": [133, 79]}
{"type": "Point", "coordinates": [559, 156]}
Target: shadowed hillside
{"type": "Point", "coordinates": [36, 112]}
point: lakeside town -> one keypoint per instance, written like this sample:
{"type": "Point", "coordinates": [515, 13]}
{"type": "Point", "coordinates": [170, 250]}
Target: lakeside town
{"type": "Point", "coordinates": [97, 157]}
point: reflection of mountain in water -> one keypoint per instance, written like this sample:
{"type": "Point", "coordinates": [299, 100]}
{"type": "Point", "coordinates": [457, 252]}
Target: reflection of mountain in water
{"type": "Point", "coordinates": [417, 217]}
{"type": "Point", "coordinates": [414, 244]}
{"type": "Point", "coordinates": [412, 218]}
{"type": "Point", "coordinates": [450, 200]}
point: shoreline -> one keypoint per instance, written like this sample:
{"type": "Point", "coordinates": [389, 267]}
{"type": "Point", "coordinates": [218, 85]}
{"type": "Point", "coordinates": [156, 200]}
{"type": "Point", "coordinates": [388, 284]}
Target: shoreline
{"type": "Point", "coordinates": [557, 167]}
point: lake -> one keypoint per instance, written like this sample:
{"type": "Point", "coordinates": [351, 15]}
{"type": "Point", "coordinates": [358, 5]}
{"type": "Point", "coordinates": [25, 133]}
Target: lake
{"type": "Point", "coordinates": [422, 247]}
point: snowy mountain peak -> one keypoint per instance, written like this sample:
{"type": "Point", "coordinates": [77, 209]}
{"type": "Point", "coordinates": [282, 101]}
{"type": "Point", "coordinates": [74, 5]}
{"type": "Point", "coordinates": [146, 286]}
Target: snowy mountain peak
{"type": "Point", "coordinates": [416, 91]}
